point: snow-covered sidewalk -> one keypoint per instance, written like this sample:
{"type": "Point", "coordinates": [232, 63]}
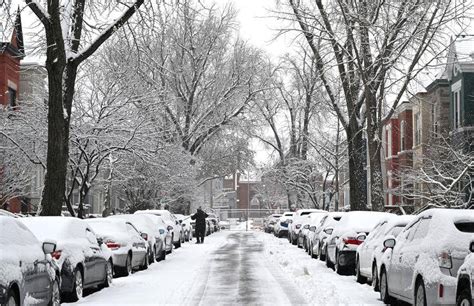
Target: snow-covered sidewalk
{"type": "Point", "coordinates": [238, 268]}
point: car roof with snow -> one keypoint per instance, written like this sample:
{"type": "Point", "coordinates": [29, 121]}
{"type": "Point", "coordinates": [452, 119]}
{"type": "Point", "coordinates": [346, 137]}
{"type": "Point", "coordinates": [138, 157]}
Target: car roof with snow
{"type": "Point", "coordinates": [158, 212]}
{"type": "Point", "coordinates": [58, 228]}
{"type": "Point", "coordinates": [143, 222]}
{"type": "Point", "coordinates": [359, 221]}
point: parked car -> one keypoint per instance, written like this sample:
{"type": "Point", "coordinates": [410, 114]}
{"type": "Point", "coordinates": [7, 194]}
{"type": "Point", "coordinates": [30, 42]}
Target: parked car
{"type": "Point", "coordinates": [465, 282]}
{"type": "Point", "coordinates": [172, 223]}
{"type": "Point", "coordinates": [6, 213]}
{"type": "Point", "coordinates": [84, 261]}
{"type": "Point", "coordinates": [269, 222]}
{"type": "Point", "coordinates": [319, 239]}
{"type": "Point", "coordinates": [347, 235]}
{"type": "Point", "coordinates": [309, 230]}
{"type": "Point", "coordinates": [369, 253]}
{"type": "Point", "coordinates": [130, 250]}
{"type": "Point", "coordinates": [185, 222]}
{"type": "Point", "coordinates": [311, 219]}
{"type": "Point", "coordinates": [145, 224]}
{"type": "Point", "coordinates": [223, 224]}
{"type": "Point", "coordinates": [281, 227]}
{"type": "Point", "coordinates": [420, 265]}
{"type": "Point", "coordinates": [295, 225]}
{"type": "Point", "coordinates": [27, 271]}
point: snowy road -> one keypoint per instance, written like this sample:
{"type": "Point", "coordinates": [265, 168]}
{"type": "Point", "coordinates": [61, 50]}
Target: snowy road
{"type": "Point", "coordinates": [238, 268]}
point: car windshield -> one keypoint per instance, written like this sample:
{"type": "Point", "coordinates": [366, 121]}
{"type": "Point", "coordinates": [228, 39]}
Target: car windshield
{"type": "Point", "coordinates": [104, 226]}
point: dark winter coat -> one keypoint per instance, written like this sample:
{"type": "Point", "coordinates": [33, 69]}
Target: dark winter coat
{"type": "Point", "coordinates": [200, 217]}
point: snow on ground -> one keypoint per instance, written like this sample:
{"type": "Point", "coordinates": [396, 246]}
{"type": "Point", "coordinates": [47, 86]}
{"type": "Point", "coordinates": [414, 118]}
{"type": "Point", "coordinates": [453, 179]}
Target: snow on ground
{"type": "Point", "coordinates": [239, 268]}
{"type": "Point", "coordinates": [316, 282]}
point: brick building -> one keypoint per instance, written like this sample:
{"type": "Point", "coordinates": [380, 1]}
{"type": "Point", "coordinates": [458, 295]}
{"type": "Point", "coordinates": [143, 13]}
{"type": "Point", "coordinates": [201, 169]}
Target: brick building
{"type": "Point", "coordinates": [11, 53]}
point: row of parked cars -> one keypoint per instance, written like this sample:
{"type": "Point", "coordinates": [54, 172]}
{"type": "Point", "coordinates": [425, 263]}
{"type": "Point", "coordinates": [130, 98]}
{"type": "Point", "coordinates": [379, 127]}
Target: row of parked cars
{"type": "Point", "coordinates": [46, 260]}
{"type": "Point", "coordinates": [424, 259]}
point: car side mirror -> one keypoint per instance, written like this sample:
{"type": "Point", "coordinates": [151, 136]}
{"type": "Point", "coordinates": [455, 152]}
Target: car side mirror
{"type": "Point", "coordinates": [312, 228]}
{"type": "Point", "coordinates": [180, 221]}
{"type": "Point", "coordinates": [100, 241]}
{"type": "Point", "coordinates": [162, 231]}
{"type": "Point", "coordinates": [170, 228]}
{"type": "Point", "coordinates": [328, 231]}
{"type": "Point", "coordinates": [389, 243]}
{"type": "Point", "coordinates": [471, 247]}
{"type": "Point", "coordinates": [361, 237]}
{"type": "Point", "coordinates": [144, 236]}
{"type": "Point", "coordinates": [49, 247]}
{"type": "Point", "coordinates": [306, 226]}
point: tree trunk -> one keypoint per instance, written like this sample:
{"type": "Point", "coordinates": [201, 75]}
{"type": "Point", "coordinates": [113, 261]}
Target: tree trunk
{"type": "Point", "coordinates": [357, 171]}
{"type": "Point", "coordinates": [375, 170]}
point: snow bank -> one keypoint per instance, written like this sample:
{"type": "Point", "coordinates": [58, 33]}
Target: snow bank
{"type": "Point", "coordinates": [317, 283]}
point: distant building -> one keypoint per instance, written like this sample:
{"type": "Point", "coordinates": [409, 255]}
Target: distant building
{"type": "Point", "coordinates": [460, 74]}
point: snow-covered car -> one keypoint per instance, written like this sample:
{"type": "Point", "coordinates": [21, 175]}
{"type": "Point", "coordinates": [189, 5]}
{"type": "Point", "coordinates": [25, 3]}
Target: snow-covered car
{"type": "Point", "coordinates": [309, 229]}
{"type": "Point", "coordinates": [348, 234]}
{"type": "Point", "coordinates": [269, 222]}
{"type": "Point", "coordinates": [84, 261]}
{"type": "Point", "coordinates": [129, 248]}
{"type": "Point", "coordinates": [185, 222]}
{"type": "Point", "coordinates": [28, 275]}
{"type": "Point", "coordinates": [295, 225]}
{"type": "Point", "coordinates": [308, 226]}
{"type": "Point", "coordinates": [465, 282]}
{"type": "Point", "coordinates": [172, 223]}
{"type": "Point", "coordinates": [6, 213]}
{"type": "Point", "coordinates": [420, 265]}
{"type": "Point", "coordinates": [369, 253]}
{"type": "Point", "coordinates": [145, 224]}
{"type": "Point", "coordinates": [319, 238]}
{"type": "Point", "coordinates": [223, 224]}
{"type": "Point", "coordinates": [281, 227]}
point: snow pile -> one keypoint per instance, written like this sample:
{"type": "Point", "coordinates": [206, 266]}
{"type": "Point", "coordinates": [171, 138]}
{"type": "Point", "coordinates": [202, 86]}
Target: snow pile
{"type": "Point", "coordinates": [318, 284]}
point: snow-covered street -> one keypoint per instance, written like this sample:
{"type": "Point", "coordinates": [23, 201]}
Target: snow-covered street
{"type": "Point", "coordinates": [236, 267]}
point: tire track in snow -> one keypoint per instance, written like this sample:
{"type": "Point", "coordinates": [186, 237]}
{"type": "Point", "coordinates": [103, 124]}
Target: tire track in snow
{"type": "Point", "coordinates": [238, 273]}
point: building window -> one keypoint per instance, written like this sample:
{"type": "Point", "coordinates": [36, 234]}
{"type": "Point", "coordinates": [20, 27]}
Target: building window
{"type": "Point", "coordinates": [457, 109]}
{"type": "Point", "coordinates": [389, 140]}
{"type": "Point", "coordinates": [417, 129]}
{"type": "Point", "coordinates": [402, 135]}
{"type": "Point", "coordinates": [11, 97]}
{"type": "Point", "coordinates": [434, 122]}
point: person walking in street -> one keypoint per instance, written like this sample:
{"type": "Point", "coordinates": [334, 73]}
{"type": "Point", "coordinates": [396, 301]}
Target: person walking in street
{"type": "Point", "coordinates": [200, 217]}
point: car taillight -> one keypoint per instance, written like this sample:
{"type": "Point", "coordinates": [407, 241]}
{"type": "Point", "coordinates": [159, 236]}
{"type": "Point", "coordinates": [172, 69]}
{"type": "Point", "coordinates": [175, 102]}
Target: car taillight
{"type": "Point", "coordinates": [112, 245]}
{"type": "Point", "coordinates": [444, 260]}
{"type": "Point", "coordinates": [441, 290]}
{"type": "Point", "coordinates": [56, 255]}
{"type": "Point", "coordinates": [352, 240]}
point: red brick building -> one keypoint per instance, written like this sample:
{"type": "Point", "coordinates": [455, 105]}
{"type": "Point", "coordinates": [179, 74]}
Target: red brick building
{"type": "Point", "coordinates": [10, 55]}
{"type": "Point", "coordinates": [398, 154]}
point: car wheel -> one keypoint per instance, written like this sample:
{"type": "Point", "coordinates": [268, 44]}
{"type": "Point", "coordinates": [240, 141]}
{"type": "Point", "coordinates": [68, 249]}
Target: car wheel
{"type": "Point", "coordinates": [152, 257]}
{"type": "Point", "coordinates": [329, 264]}
{"type": "Point", "coordinates": [55, 294]}
{"type": "Point", "coordinates": [146, 262]}
{"type": "Point", "coordinates": [321, 256]}
{"type": "Point", "coordinates": [12, 298]}
{"type": "Point", "coordinates": [359, 278]}
{"type": "Point", "coordinates": [78, 284]}
{"type": "Point", "coordinates": [420, 294]}
{"type": "Point", "coordinates": [375, 279]}
{"type": "Point", "coordinates": [127, 270]}
{"type": "Point", "coordinates": [177, 244]}
{"type": "Point", "coordinates": [464, 298]}
{"type": "Point", "coordinates": [384, 295]}
{"type": "Point", "coordinates": [163, 255]}
{"type": "Point", "coordinates": [337, 266]}
{"type": "Point", "coordinates": [109, 274]}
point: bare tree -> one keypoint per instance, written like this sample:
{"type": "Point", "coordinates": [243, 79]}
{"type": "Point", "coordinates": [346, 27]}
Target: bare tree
{"type": "Point", "coordinates": [371, 51]}
{"type": "Point", "coordinates": [70, 40]}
